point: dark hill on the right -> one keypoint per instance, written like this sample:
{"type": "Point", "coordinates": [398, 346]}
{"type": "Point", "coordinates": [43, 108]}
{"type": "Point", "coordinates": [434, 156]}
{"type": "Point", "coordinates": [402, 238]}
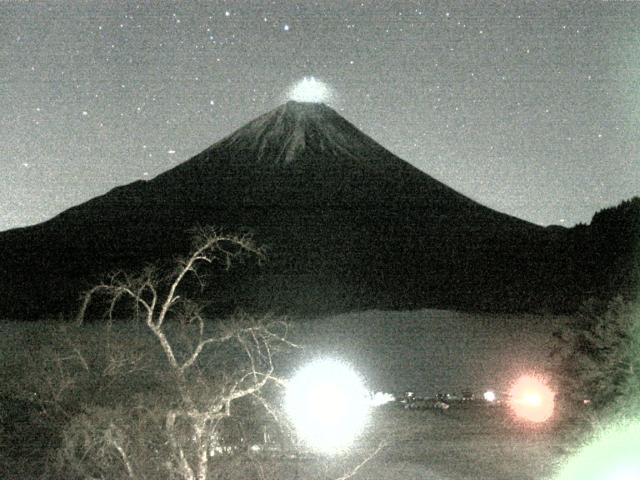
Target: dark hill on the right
{"type": "Point", "coordinates": [605, 254]}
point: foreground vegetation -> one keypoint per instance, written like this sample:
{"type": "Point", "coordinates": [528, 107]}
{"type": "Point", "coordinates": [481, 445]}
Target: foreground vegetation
{"type": "Point", "coordinates": [44, 441]}
{"type": "Point", "coordinates": [158, 390]}
{"type": "Point", "coordinates": [597, 357]}
{"type": "Point", "coordinates": [46, 422]}
{"type": "Point", "coordinates": [161, 400]}
{"type": "Point", "coordinates": [93, 401]}
{"type": "Point", "coordinates": [155, 389]}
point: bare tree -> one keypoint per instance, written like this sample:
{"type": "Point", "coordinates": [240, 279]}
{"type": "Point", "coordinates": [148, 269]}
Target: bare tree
{"type": "Point", "coordinates": [173, 394]}
{"type": "Point", "coordinates": [192, 424]}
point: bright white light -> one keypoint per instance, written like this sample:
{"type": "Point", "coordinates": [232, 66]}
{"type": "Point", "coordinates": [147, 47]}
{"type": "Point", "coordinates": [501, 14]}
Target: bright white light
{"type": "Point", "coordinates": [381, 398]}
{"type": "Point", "coordinates": [490, 396]}
{"type": "Point", "coordinates": [624, 472]}
{"type": "Point", "coordinates": [532, 399]}
{"type": "Point", "coordinates": [310, 90]}
{"type": "Point", "coordinates": [612, 454]}
{"type": "Point", "coordinates": [328, 404]}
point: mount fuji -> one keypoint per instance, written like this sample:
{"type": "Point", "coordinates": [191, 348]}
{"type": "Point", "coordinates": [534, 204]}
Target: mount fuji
{"type": "Point", "coordinates": [346, 223]}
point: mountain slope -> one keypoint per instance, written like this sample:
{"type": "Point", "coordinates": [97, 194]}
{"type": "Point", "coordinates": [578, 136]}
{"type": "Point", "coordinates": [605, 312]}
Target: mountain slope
{"type": "Point", "coordinates": [347, 224]}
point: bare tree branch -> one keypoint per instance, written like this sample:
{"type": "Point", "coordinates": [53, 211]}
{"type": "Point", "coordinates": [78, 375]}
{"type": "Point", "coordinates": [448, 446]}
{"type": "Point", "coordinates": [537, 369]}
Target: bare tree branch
{"type": "Point", "coordinates": [366, 460]}
{"type": "Point", "coordinates": [192, 421]}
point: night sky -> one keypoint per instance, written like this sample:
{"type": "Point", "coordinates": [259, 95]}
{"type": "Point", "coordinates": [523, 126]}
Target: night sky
{"type": "Point", "coordinates": [531, 108]}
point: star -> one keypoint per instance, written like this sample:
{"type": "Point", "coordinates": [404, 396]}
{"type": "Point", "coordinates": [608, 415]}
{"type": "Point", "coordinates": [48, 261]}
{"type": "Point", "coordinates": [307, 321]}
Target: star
{"type": "Point", "coordinates": [142, 67]}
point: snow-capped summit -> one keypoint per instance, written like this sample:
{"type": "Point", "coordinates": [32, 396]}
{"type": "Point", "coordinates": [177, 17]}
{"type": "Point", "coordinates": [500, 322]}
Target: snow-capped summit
{"type": "Point", "coordinates": [294, 129]}
{"type": "Point", "coordinates": [297, 129]}
{"type": "Point", "coordinates": [306, 153]}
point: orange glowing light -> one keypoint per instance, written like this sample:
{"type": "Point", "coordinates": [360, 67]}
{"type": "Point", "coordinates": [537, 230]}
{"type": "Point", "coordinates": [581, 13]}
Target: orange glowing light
{"type": "Point", "coordinates": [531, 398]}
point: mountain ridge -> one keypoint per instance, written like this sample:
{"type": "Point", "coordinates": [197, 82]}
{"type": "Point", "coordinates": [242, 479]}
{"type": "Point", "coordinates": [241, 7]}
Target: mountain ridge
{"type": "Point", "coordinates": [303, 139]}
{"type": "Point", "coordinates": [349, 225]}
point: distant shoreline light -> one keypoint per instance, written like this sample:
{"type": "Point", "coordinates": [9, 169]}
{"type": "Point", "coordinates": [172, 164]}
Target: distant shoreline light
{"type": "Point", "coordinates": [310, 90]}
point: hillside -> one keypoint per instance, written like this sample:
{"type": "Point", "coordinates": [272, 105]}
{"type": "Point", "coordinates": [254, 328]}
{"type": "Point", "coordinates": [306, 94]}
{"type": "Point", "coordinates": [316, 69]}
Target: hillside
{"type": "Point", "coordinates": [348, 225]}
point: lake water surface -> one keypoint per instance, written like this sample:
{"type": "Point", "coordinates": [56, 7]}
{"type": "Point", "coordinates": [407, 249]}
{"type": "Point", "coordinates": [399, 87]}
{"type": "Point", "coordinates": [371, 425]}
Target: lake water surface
{"type": "Point", "coordinates": [430, 351]}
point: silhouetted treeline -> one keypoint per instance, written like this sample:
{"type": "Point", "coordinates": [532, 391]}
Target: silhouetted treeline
{"type": "Point", "coordinates": [607, 252]}
{"type": "Point", "coordinates": [354, 265]}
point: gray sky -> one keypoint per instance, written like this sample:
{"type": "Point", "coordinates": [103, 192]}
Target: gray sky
{"type": "Point", "coordinates": [531, 108]}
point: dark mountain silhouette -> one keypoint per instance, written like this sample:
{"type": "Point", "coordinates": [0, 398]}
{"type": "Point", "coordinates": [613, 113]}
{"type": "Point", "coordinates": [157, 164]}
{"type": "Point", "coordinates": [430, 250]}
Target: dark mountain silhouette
{"type": "Point", "coordinates": [347, 225]}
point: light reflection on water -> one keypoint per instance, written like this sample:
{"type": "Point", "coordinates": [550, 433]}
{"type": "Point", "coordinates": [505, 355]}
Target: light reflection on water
{"type": "Point", "coordinates": [428, 351]}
